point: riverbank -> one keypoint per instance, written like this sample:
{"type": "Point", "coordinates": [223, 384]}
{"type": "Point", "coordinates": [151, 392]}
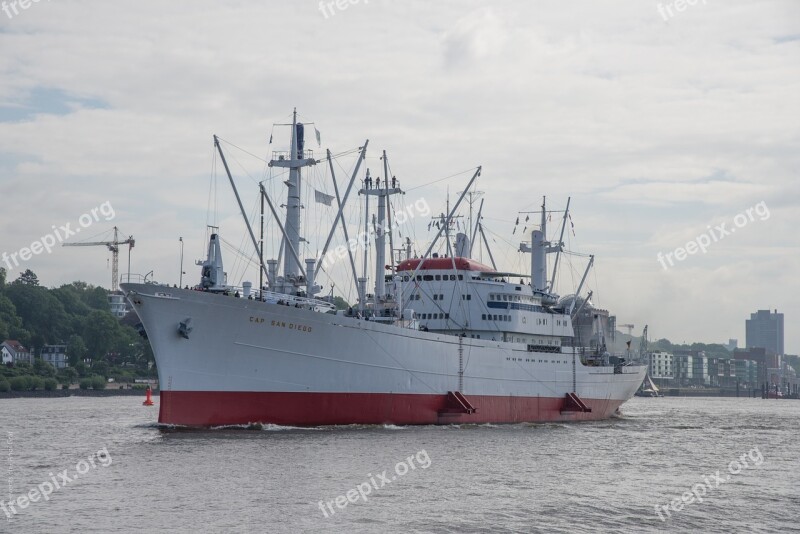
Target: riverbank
{"type": "Point", "coordinates": [42, 394]}
{"type": "Point", "coordinates": [714, 392]}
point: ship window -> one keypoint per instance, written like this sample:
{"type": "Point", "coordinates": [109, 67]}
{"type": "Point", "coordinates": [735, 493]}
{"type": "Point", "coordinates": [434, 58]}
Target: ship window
{"type": "Point", "coordinates": [428, 277]}
{"type": "Point", "coordinates": [406, 278]}
{"type": "Point", "coordinates": [446, 315]}
{"type": "Point", "coordinates": [435, 296]}
{"type": "Point", "coordinates": [461, 277]}
{"type": "Point", "coordinates": [483, 316]}
{"type": "Point", "coordinates": [441, 316]}
{"type": "Point", "coordinates": [419, 277]}
{"type": "Point", "coordinates": [452, 277]}
{"type": "Point", "coordinates": [438, 276]}
{"type": "Point", "coordinates": [469, 297]}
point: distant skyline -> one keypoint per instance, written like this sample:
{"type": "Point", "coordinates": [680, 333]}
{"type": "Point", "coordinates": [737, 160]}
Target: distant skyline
{"type": "Point", "coordinates": [674, 132]}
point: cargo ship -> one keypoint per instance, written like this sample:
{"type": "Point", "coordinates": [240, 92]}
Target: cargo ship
{"type": "Point", "coordinates": [441, 338]}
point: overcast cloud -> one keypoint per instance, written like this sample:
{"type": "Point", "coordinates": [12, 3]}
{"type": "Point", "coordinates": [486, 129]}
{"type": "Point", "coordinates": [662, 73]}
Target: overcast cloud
{"type": "Point", "coordinates": [657, 126]}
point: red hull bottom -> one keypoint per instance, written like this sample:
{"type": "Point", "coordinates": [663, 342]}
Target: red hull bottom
{"type": "Point", "coordinates": [217, 408]}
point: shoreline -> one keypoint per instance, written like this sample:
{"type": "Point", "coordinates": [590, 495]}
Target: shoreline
{"type": "Point", "coordinates": [42, 394]}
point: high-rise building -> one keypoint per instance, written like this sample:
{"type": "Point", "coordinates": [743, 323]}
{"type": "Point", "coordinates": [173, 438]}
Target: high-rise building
{"type": "Point", "coordinates": [765, 330]}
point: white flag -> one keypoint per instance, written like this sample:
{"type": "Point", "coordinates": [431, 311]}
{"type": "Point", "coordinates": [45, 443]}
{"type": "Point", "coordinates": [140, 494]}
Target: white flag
{"type": "Point", "coordinates": [322, 198]}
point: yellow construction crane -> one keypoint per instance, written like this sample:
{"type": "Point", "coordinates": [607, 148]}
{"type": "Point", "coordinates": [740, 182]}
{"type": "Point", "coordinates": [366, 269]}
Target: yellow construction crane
{"type": "Point", "coordinates": [113, 246]}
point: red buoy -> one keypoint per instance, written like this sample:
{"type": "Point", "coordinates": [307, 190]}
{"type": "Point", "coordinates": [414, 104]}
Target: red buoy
{"type": "Point", "coordinates": [149, 400]}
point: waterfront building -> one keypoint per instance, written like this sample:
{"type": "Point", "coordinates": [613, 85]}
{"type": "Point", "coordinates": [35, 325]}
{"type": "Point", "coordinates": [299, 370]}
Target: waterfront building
{"type": "Point", "coordinates": [118, 305]}
{"type": "Point", "coordinates": [14, 352]}
{"type": "Point", "coordinates": [765, 330]}
{"type": "Point", "coordinates": [660, 365]}
{"type": "Point", "coordinates": [55, 355]}
{"type": "Point", "coordinates": [683, 369]}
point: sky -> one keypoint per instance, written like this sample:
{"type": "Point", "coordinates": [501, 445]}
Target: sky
{"type": "Point", "coordinates": [664, 122]}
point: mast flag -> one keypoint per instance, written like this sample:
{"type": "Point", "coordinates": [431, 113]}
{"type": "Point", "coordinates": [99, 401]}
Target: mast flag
{"type": "Point", "coordinates": [322, 198]}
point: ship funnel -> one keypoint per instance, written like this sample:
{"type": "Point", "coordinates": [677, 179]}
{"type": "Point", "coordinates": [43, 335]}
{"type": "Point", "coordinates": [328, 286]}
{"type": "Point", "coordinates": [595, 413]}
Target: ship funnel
{"type": "Point", "coordinates": [462, 245]}
{"type": "Point", "coordinates": [538, 261]}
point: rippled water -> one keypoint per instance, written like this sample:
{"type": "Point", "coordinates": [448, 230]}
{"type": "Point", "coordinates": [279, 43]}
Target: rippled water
{"type": "Point", "coordinates": [586, 477]}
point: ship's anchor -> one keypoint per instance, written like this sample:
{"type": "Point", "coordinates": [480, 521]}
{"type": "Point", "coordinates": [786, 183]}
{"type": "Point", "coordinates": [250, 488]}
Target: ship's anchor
{"type": "Point", "coordinates": [185, 328]}
{"type": "Point", "coordinates": [140, 329]}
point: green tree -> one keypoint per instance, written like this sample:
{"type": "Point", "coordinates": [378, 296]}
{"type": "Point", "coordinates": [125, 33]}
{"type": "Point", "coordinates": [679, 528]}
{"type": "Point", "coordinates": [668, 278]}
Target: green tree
{"type": "Point", "coordinates": [340, 303]}
{"type": "Point", "coordinates": [42, 368]}
{"type": "Point", "coordinates": [28, 278]}
{"type": "Point", "coordinates": [72, 298]}
{"type": "Point", "coordinates": [10, 323]}
{"type": "Point", "coordinates": [42, 314]}
{"type": "Point", "coordinates": [101, 368]}
{"type": "Point", "coordinates": [96, 297]}
{"type": "Point", "coordinates": [99, 333]}
{"type": "Point", "coordinates": [50, 384]}
{"type": "Point", "coordinates": [76, 350]}
{"type": "Point", "coordinates": [82, 369]}
{"type": "Point", "coordinates": [20, 383]}
{"type": "Point", "coordinates": [35, 382]}
{"type": "Point", "coordinates": [2, 278]}
{"type": "Point", "coordinates": [98, 382]}
{"type": "Point", "coordinates": [68, 375]}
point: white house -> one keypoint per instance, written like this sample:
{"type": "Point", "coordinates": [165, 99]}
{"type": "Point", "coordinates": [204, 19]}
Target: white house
{"type": "Point", "coordinates": [55, 355]}
{"type": "Point", "coordinates": [5, 355]}
{"type": "Point", "coordinates": [14, 352]}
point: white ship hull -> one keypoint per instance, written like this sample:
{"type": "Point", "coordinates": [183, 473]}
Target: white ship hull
{"type": "Point", "coordinates": [246, 361]}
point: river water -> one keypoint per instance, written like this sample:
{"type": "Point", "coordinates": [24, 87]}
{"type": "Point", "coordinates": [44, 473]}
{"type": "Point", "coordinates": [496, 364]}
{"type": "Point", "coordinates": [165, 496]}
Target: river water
{"type": "Point", "coordinates": [106, 466]}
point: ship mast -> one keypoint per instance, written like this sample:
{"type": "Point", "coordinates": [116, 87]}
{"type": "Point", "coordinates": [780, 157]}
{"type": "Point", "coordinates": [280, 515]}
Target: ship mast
{"type": "Point", "coordinates": [383, 192]}
{"type": "Point", "coordinates": [295, 161]}
{"type": "Point", "coordinates": [292, 221]}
